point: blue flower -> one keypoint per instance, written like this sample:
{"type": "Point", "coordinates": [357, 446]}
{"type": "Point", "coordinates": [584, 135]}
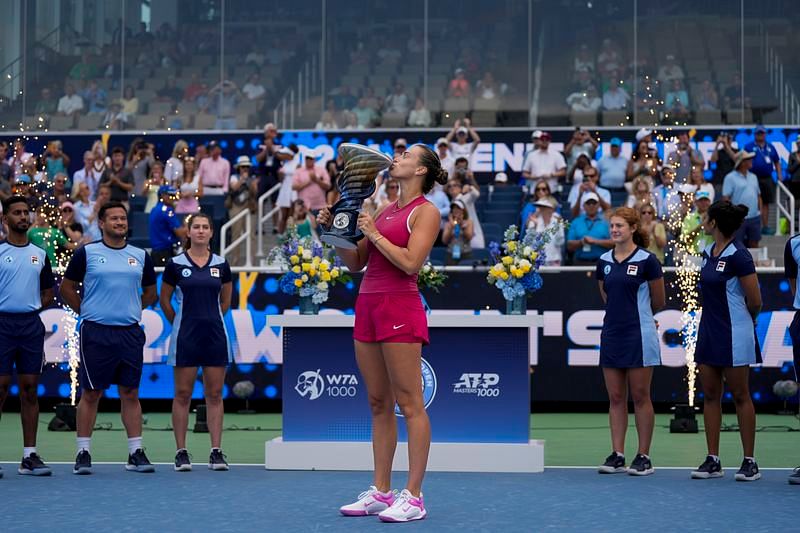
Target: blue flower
{"type": "Point", "coordinates": [531, 281]}
{"type": "Point", "coordinates": [286, 283]}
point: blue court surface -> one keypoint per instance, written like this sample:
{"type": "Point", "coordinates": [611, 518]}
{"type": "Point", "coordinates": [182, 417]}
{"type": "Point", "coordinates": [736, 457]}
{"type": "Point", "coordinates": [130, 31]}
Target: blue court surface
{"type": "Point", "coordinates": [249, 498]}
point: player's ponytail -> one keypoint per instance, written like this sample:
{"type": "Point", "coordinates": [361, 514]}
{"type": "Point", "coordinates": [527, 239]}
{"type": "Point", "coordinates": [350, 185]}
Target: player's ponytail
{"type": "Point", "coordinates": [436, 174]}
{"type": "Point", "coordinates": [631, 216]}
{"type": "Point", "coordinates": [727, 216]}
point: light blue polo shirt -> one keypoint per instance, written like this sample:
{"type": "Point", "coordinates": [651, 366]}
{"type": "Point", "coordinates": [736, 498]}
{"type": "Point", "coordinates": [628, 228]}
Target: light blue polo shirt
{"type": "Point", "coordinates": [581, 227]}
{"type": "Point", "coordinates": [743, 190]}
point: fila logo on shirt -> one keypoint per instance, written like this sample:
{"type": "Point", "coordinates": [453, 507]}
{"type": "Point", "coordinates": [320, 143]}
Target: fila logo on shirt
{"type": "Point", "coordinates": [721, 266]}
{"type": "Point", "coordinates": [214, 272]}
{"type": "Point", "coordinates": [132, 262]}
{"type": "Point", "coordinates": [633, 270]}
{"type": "Point", "coordinates": [34, 260]}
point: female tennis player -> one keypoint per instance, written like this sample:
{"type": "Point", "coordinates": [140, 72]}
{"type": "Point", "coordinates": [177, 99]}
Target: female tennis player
{"type": "Point", "coordinates": [726, 337]}
{"type": "Point", "coordinates": [632, 286]}
{"type": "Point", "coordinates": [202, 284]}
{"type": "Point", "coordinates": [391, 327]}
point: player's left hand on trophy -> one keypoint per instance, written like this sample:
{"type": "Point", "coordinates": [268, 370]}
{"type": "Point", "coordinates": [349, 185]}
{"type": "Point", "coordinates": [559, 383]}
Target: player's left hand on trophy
{"type": "Point", "coordinates": [324, 216]}
{"type": "Point", "coordinates": [367, 224]}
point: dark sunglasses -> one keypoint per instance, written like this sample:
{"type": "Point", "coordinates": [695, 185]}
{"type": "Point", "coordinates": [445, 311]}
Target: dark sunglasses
{"type": "Point", "coordinates": [541, 189]}
{"type": "Point", "coordinates": [66, 209]}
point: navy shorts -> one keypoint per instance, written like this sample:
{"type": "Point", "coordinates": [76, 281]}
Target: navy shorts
{"type": "Point", "coordinates": [750, 230]}
{"type": "Point", "coordinates": [794, 334]}
{"type": "Point", "coordinates": [21, 343]}
{"type": "Point", "coordinates": [110, 355]}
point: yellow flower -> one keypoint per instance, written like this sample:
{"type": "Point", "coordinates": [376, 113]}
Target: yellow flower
{"type": "Point", "coordinates": [326, 276]}
{"type": "Point", "coordinates": [525, 269]}
{"type": "Point", "coordinates": [306, 267]}
{"type": "Point", "coordinates": [294, 259]}
{"type": "Point", "coordinates": [504, 275]}
{"type": "Point", "coordinates": [299, 250]}
{"type": "Point", "coordinates": [325, 265]}
{"type": "Point", "coordinates": [316, 261]}
{"type": "Point", "coordinates": [298, 283]}
{"type": "Point", "coordinates": [512, 245]}
{"type": "Point", "coordinates": [312, 272]}
{"type": "Point", "coordinates": [335, 273]}
{"type": "Point", "coordinates": [519, 273]}
{"type": "Point", "coordinates": [507, 260]}
{"type": "Point", "coordinates": [296, 269]}
{"type": "Point", "coordinates": [534, 255]}
{"type": "Point", "coordinates": [304, 278]}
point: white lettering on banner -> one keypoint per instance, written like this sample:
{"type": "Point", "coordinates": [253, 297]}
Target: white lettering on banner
{"type": "Point", "coordinates": [154, 325]}
{"type": "Point", "coordinates": [505, 158]}
{"type": "Point", "coordinates": [252, 346]}
{"type": "Point", "coordinates": [54, 351]}
{"type": "Point", "coordinates": [774, 351]}
{"type": "Point", "coordinates": [583, 329]}
{"type": "Point", "coordinates": [481, 160]}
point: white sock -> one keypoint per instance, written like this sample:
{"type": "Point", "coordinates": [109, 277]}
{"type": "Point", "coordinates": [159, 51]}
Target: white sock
{"type": "Point", "coordinates": [215, 449]}
{"type": "Point", "coordinates": [83, 443]}
{"type": "Point", "coordinates": [27, 451]}
{"type": "Point", "coordinates": [134, 443]}
{"type": "Point", "coordinates": [750, 458]}
{"type": "Point", "coordinates": [181, 450]}
{"type": "Point", "coordinates": [620, 454]}
{"type": "Point", "coordinates": [715, 457]}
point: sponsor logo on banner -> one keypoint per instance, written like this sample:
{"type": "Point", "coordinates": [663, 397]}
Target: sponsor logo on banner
{"type": "Point", "coordinates": [480, 384]}
{"type": "Point", "coordinates": [428, 386]}
{"type": "Point", "coordinates": [312, 384]}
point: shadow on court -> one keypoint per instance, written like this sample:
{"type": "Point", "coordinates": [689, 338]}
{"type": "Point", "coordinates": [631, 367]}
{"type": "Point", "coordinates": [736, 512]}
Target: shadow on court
{"type": "Point", "coordinates": [248, 498]}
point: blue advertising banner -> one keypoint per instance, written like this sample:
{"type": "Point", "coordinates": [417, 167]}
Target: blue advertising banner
{"type": "Point", "coordinates": [468, 376]}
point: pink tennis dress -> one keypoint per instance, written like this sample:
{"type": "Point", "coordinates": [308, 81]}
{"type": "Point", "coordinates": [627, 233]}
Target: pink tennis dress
{"type": "Point", "coordinates": [389, 308]}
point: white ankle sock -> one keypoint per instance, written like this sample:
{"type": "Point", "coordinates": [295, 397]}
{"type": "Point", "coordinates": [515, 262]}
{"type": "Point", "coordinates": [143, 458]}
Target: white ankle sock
{"type": "Point", "coordinates": [83, 443]}
{"type": "Point", "coordinates": [27, 451]}
{"type": "Point", "coordinates": [134, 443]}
{"type": "Point", "coordinates": [715, 457]}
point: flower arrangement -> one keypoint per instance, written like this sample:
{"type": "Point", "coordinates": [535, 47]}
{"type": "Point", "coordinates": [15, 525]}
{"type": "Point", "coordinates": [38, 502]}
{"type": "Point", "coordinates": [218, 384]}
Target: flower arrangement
{"type": "Point", "coordinates": [517, 262]}
{"type": "Point", "coordinates": [311, 268]}
{"type": "Point", "coordinates": [430, 278]}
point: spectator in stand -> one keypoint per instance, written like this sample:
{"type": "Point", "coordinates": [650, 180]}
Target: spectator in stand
{"type": "Point", "coordinates": [18, 156]}
{"type": "Point", "coordinates": [398, 101]}
{"type": "Point", "coordinates": [254, 89]}
{"type": "Point", "coordinates": [581, 142]}
{"type": "Point", "coordinates": [69, 226]}
{"type": "Point", "coordinates": [576, 175]}
{"type": "Point", "coordinates": [350, 120]}
{"type": "Point", "coordinates": [194, 89]}
{"type": "Point", "coordinates": [129, 101]}
{"type": "Point", "coordinates": [118, 178]}
{"type": "Point", "coordinates": [585, 100]}
{"type": "Point", "coordinates": [462, 131]}
{"type": "Point", "coordinates": [692, 231]}
{"type": "Point", "coordinates": [458, 86]}
{"type": "Point", "coordinates": [487, 88]}
{"type": "Point", "coordinates": [173, 170]}
{"type": "Point", "coordinates": [140, 159]}
{"type": "Point", "coordinates": [438, 197]}
{"type": "Point", "coordinates": [742, 187]}
{"type": "Point", "coordinates": [345, 99]}
{"type": "Point", "coordinates": [6, 175]}
{"type": "Point", "coordinates": [114, 118]}
{"type": "Point", "coordinates": [60, 193]}
{"type": "Point", "coordinates": [166, 229]}
{"type": "Point", "coordinates": [643, 163]}
{"type": "Point", "coordinates": [270, 158]}
{"type": "Point", "coordinates": [83, 208]}
{"type": "Point", "coordinates": [609, 58]}
{"type": "Point", "coordinates": [170, 92]}
{"type": "Point", "coordinates": [55, 160]}
{"type": "Point", "coordinates": [666, 194]}
{"type": "Point", "coordinates": [200, 153]}
{"type": "Point", "coordinates": [469, 195]}
{"type": "Point", "coordinates": [589, 184]}
{"type": "Point", "coordinates": [615, 98]}
{"type": "Point", "coordinates": [500, 180]}
{"type": "Point", "coordinates": [45, 236]}
{"type": "Point", "coordinates": [583, 80]}
{"type": "Point", "coordinates": [254, 56]}
{"type": "Point", "coordinates": [101, 159]}
{"type": "Point", "coordinates": [540, 192]}
{"type": "Point", "coordinates": [685, 157]}
{"type": "Point", "coordinates": [302, 221]}
{"type": "Point", "coordinates": [365, 114]}
{"type": "Point", "coordinates": [190, 190]}
{"type": "Point", "coordinates": [286, 175]}
{"type": "Point", "coordinates": [392, 188]}
{"type": "Point", "coordinates": [543, 164]}
{"type": "Point", "coordinates": [152, 184]}
{"type": "Point", "coordinates": [326, 122]}
{"type": "Point", "coordinates": [708, 99]}
{"type": "Point", "coordinates": [722, 159]}
{"type": "Point", "coordinates": [676, 103]}
{"type": "Point", "coordinates": [545, 218]}
{"type": "Point", "coordinates": [654, 228]}
{"type": "Point", "coordinates": [83, 69]}
{"type": "Point", "coordinates": [458, 233]}
{"type": "Point", "coordinates": [95, 99]}
{"type": "Point", "coordinates": [765, 161]}
{"type": "Point", "coordinates": [584, 60]}
{"type": "Point", "coordinates": [589, 235]}
{"type": "Point", "coordinates": [46, 105]}
{"type": "Point", "coordinates": [243, 195]}
{"type": "Point", "coordinates": [224, 98]}
{"type": "Point", "coordinates": [372, 100]}
{"type": "Point", "coordinates": [214, 171]}
{"type": "Point", "coordinates": [669, 71]}
{"type": "Point", "coordinates": [733, 99]}
{"type": "Point", "coordinates": [420, 117]}
{"type": "Point", "coordinates": [698, 180]}
{"type": "Point", "coordinates": [445, 157]}
{"type": "Point", "coordinates": [71, 104]}
{"type": "Point", "coordinates": [793, 170]}
{"type": "Point", "coordinates": [640, 194]}
{"type": "Point", "coordinates": [312, 182]}
{"type": "Point", "coordinates": [613, 167]}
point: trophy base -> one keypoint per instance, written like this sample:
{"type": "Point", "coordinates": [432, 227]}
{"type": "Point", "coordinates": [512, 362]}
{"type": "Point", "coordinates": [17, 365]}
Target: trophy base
{"type": "Point", "coordinates": [338, 241]}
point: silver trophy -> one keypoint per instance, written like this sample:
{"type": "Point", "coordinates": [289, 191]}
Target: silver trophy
{"type": "Point", "coordinates": [356, 183]}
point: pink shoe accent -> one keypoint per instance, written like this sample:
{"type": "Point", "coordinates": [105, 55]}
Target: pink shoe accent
{"type": "Point", "coordinates": [353, 513]}
{"type": "Point", "coordinates": [416, 502]}
{"type": "Point", "coordinates": [387, 498]}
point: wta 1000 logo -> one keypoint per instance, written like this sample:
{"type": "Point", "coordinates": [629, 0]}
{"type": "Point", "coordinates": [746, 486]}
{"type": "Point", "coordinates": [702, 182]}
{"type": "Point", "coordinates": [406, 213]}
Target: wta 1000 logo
{"type": "Point", "coordinates": [481, 384]}
{"type": "Point", "coordinates": [312, 384]}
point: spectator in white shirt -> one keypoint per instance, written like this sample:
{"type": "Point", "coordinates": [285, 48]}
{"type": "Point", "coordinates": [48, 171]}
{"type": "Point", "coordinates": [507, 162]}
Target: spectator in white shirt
{"type": "Point", "coordinates": [70, 103]}
{"type": "Point", "coordinates": [545, 218]}
{"type": "Point", "coordinates": [462, 131]}
{"type": "Point", "coordinates": [585, 100]}
{"type": "Point", "coordinates": [445, 157]}
{"type": "Point", "coordinates": [253, 89]}
{"type": "Point", "coordinates": [398, 101]}
{"type": "Point", "coordinates": [588, 184]}
{"type": "Point", "coordinates": [669, 71]}
{"type": "Point", "coordinates": [87, 175]}
{"type": "Point", "coordinates": [420, 117]}
{"type": "Point", "coordinates": [543, 164]}
{"type": "Point", "coordinates": [615, 98]}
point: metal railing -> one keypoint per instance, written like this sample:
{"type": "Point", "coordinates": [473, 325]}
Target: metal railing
{"type": "Point", "coordinates": [784, 196]}
{"type": "Point", "coordinates": [263, 217]}
{"type": "Point", "coordinates": [294, 99]}
{"type": "Point", "coordinates": [783, 90]}
{"type": "Point", "coordinates": [225, 248]}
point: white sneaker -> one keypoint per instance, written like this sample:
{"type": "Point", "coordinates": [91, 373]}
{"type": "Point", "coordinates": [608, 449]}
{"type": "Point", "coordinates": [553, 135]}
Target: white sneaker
{"type": "Point", "coordinates": [370, 502]}
{"type": "Point", "coordinates": [404, 509]}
